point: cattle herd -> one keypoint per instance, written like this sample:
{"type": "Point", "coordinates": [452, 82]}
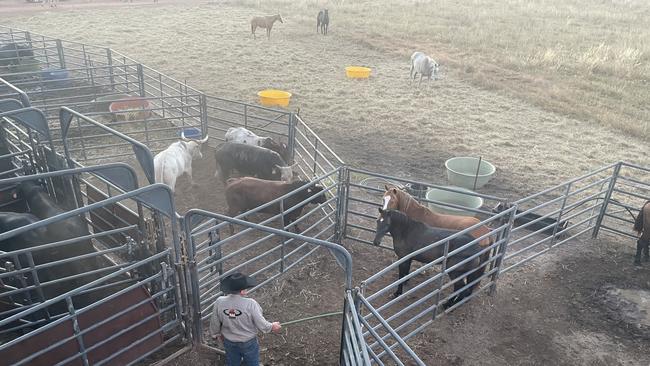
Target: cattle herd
{"type": "Point", "coordinates": [261, 163]}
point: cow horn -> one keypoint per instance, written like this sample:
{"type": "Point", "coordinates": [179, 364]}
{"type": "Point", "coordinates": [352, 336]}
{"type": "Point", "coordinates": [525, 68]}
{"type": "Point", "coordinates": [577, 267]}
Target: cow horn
{"type": "Point", "coordinates": [294, 165]}
{"type": "Point", "coordinates": [183, 136]}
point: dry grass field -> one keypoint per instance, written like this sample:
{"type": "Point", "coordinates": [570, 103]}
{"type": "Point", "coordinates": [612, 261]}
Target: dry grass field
{"type": "Point", "coordinates": [546, 90]}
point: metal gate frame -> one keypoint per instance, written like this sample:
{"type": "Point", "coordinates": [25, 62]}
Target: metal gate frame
{"type": "Point", "coordinates": [158, 197]}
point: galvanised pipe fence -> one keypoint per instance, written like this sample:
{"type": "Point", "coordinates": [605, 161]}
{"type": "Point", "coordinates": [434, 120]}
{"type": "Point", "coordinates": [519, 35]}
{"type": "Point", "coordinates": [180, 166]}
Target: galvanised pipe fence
{"type": "Point", "coordinates": [555, 216]}
{"type": "Point", "coordinates": [389, 322]}
{"type": "Point", "coordinates": [375, 328]}
{"type": "Point", "coordinates": [630, 190]}
{"type": "Point", "coordinates": [91, 77]}
{"type": "Point", "coordinates": [218, 247]}
{"type": "Point", "coordinates": [26, 134]}
{"type": "Point", "coordinates": [267, 258]}
{"type": "Point", "coordinates": [106, 306]}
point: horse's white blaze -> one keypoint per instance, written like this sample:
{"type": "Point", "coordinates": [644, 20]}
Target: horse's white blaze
{"type": "Point", "coordinates": [386, 200]}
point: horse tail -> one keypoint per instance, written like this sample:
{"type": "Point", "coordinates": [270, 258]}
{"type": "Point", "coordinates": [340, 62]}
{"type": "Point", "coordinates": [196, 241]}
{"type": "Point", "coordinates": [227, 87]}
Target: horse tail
{"type": "Point", "coordinates": [638, 223]}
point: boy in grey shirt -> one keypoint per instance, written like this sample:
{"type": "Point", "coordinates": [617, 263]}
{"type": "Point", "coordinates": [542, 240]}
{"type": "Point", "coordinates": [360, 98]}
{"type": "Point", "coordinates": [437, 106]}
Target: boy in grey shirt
{"type": "Point", "coordinates": [236, 320]}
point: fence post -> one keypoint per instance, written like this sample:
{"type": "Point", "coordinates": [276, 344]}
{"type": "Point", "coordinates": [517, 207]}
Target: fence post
{"type": "Point", "coordinates": [141, 79]}
{"type": "Point", "coordinates": [559, 216]}
{"type": "Point", "coordinates": [284, 239]}
{"type": "Point", "coordinates": [59, 49]}
{"type": "Point", "coordinates": [109, 61]}
{"type": "Point", "coordinates": [443, 272]}
{"type": "Point", "coordinates": [245, 116]}
{"type": "Point", "coordinates": [292, 136]}
{"type": "Point", "coordinates": [342, 341]}
{"type": "Point", "coordinates": [192, 295]}
{"type": "Point", "coordinates": [204, 114]}
{"type": "Point", "coordinates": [341, 204]}
{"type": "Point", "coordinates": [315, 155]}
{"type": "Point", "coordinates": [28, 39]}
{"type": "Point", "coordinates": [501, 249]}
{"type": "Point", "coordinates": [608, 196]}
{"type": "Point", "coordinates": [86, 62]}
{"type": "Point", "coordinates": [77, 331]}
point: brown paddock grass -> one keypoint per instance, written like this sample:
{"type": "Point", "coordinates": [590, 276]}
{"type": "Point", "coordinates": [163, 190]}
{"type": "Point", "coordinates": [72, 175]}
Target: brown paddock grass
{"type": "Point", "coordinates": [586, 59]}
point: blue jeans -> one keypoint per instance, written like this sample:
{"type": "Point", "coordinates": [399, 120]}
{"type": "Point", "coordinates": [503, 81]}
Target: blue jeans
{"type": "Point", "coordinates": [249, 351]}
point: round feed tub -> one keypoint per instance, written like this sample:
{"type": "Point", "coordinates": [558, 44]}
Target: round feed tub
{"type": "Point", "coordinates": [357, 72]}
{"type": "Point", "coordinates": [138, 108]}
{"type": "Point", "coordinates": [273, 97]}
{"type": "Point", "coordinates": [461, 172]}
{"type": "Point", "coordinates": [455, 198]}
{"type": "Point", "coordinates": [190, 133]}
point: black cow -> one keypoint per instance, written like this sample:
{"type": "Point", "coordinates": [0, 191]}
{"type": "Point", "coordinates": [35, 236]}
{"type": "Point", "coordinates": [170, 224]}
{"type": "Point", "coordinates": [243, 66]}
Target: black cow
{"type": "Point", "coordinates": [246, 193]}
{"type": "Point", "coordinates": [43, 207]}
{"type": "Point", "coordinates": [12, 220]}
{"type": "Point", "coordinates": [251, 160]}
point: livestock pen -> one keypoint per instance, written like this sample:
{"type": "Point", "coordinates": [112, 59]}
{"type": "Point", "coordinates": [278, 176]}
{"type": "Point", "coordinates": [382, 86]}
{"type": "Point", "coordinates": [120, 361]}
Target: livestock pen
{"type": "Point", "coordinates": [49, 139]}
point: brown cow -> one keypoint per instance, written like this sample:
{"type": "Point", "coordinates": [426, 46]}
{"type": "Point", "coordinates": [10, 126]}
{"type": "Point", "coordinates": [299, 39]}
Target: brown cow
{"type": "Point", "coordinates": [246, 193]}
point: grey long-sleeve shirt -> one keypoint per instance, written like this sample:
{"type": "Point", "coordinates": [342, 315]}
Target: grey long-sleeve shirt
{"type": "Point", "coordinates": [237, 318]}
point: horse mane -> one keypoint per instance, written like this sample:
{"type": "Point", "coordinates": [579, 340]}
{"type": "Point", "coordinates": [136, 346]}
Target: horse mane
{"type": "Point", "coordinates": [406, 200]}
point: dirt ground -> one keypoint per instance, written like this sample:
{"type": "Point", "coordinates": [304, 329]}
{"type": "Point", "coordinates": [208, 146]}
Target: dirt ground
{"type": "Point", "coordinates": [564, 308]}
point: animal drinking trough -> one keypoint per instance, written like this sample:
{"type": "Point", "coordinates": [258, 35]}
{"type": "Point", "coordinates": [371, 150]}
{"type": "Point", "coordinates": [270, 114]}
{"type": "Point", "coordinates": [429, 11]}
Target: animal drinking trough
{"type": "Point", "coordinates": [273, 97]}
{"type": "Point", "coordinates": [357, 72]}
{"type": "Point", "coordinates": [455, 198]}
{"type": "Point", "coordinates": [464, 171]}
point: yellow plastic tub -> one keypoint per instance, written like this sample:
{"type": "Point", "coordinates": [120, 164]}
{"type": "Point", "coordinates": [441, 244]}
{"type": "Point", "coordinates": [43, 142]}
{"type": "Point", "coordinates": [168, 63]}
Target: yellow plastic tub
{"type": "Point", "coordinates": [273, 97]}
{"type": "Point", "coordinates": [357, 72]}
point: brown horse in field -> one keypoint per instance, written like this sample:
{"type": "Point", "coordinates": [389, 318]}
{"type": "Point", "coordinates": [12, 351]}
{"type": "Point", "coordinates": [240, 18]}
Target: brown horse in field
{"type": "Point", "coordinates": [265, 22]}
{"type": "Point", "coordinates": [642, 226]}
{"type": "Point", "coordinates": [396, 199]}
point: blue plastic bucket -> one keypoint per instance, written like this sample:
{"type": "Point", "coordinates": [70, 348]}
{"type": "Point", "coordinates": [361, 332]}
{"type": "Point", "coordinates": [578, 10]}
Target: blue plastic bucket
{"type": "Point", "coordinates": [190, 133]}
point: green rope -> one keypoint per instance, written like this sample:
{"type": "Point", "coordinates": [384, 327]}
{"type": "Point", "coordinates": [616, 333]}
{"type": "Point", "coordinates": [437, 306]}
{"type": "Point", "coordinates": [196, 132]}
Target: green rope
{"type": "Point", "coordinates": [311, 318]}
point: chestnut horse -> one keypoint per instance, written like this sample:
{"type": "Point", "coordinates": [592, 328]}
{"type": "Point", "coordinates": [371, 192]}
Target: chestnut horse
{"type": "Point", "coordinates": [396, 199]}
{"type": "Point", "coordinates": [642, 226]}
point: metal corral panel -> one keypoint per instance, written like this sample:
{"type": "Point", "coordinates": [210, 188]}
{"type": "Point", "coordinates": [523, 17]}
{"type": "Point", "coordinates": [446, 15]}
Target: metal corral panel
{"type": "Point", "coordinates": [111, 217]}
{"type": "Point", "coordinates": [112, 327]}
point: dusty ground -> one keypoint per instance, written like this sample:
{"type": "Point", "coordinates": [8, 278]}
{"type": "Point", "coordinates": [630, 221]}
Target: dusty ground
{"type": "Point", "coordinates": [557, 310]}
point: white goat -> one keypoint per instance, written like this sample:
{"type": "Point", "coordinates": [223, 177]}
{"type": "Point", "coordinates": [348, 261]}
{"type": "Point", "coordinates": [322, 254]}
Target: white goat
{"type": "Point", "coordinates": [423, 64]}
{"type": "Point", "coordinates": [175, 160]}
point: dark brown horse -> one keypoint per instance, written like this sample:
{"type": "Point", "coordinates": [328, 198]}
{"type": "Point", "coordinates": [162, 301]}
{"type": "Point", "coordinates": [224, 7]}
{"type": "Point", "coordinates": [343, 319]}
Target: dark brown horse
{"type": "Point", "coordinates": [410, 235]}
{"type": "Point", "coordinates": [642, 226]}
